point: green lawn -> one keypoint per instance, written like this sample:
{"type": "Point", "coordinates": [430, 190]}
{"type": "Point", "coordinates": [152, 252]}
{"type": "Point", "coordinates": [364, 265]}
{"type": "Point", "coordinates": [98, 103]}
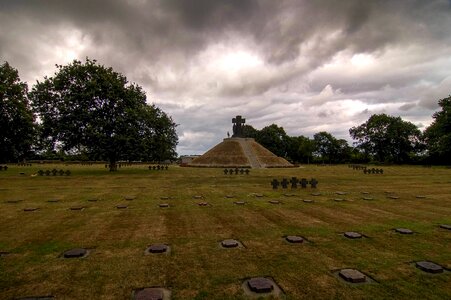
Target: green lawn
{"type": "Point", "coordinates": [197, 267]}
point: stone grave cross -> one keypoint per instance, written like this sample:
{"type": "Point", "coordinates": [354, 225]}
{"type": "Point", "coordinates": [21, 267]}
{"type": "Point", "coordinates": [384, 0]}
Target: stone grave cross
{"type": "Point", "coordinates": [313, 183]}
{"type": "Point", "coordinates": [294, 182]}
{"type": "Point", "coordinates": [284, 183]}
{"type": "Point", "coordinates": [275, 184]}
{"type": "Point", "coordinates": [238, 122]}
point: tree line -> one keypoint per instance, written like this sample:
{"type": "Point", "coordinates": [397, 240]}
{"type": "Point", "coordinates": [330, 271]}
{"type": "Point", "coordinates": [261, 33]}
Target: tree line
{"type": "Point", "coordinates": [382, 139]}
{"type": "Point", "coordinates": [90, 112]}
{"type": "Point", "coordinates": [85, 110]}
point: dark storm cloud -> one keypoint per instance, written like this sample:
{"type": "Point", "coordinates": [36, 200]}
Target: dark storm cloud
{"type": "Point", "coordinates": [305, 65]}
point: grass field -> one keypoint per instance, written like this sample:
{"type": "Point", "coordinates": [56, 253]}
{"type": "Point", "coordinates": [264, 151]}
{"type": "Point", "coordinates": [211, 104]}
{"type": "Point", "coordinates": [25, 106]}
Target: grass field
{"type": "Point", "coordinates": [197, 267]}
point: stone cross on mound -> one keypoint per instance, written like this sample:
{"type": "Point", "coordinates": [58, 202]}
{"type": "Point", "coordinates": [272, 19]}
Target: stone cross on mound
{"type": "Point", "coordinates": [238, 122]}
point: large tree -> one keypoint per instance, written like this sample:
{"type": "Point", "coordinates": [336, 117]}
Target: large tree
{"type": "Point", "coordinates": [387, 138]}
{"type": "Point", "coordinates": [274, 138]}
{"type": "Point", "coordinates": [16, 118]}
{"type": "Point", "coordinates": [331, 149]}
{"type": "Point", "coordinates": [300, 149]}
{"type": "Point", "coordinates": [89, 108]}
{"type": "Point", "coordinates": [438, 135]}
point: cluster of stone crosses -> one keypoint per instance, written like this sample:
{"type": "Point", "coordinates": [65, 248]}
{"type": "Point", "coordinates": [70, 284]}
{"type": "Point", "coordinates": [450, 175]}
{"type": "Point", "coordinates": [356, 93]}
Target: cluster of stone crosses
{"type": "Point", "coordinates": [236, 171]}
{"type": "Point", "coordinates": [158, 167]}
{"type": "Point", "coordinates": [3, 168]}
{"type": "Point", "coordinates": [54, 172]}
{"type": "Point", "coordinates": [294, 183]}
{"type": "Point", "coordinates": [357, 167]}
{"type": "Point", "coordinates": [118, 165]}
{"type": "Point", "coordinates": [373, 171]}
{"type": "Point", "coordinates": [366, 170]}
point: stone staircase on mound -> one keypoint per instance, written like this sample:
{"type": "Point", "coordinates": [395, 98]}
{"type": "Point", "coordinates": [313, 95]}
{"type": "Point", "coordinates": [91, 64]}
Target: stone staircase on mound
{"type": "Point", "coordinates": [247, 149]}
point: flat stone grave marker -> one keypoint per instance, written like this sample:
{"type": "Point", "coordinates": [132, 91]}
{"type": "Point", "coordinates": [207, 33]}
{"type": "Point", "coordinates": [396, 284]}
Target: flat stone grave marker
{"type": "Point", "coordinates": [353, 235]}
{"type": "Point", "coordinates": [121, 206]}
{"type": "Point", "coordinates": [157, 248]}
{"type": "Point", "coordinates": [429, 267]}
{"type": "Point", "coordinates": [14, 201]}
{"type": "Point", "coordinates": [198, 197]}
{"type": "Point", "coordinates": [341, 193]}
{"type": "Point", "coordinates": [130, 197]}
{"type": "Point", "coordinates": [230, 243]}
{"type": "Point", "coordinates": [339, 200]}
{"type": "Point", "coordinates": [259, 195]}
{"type": "Point", "coordinates": [163, 205]}
{"type": "Point", "coordinates": [164, 198]}
{"type": "Point", "coordinates": [445, 226]}
{"type": "Point", "coordinates": [203, 204]}
{"type": "Point", "coordinates": [365, 193]}
{"type": "Point", "coordinates": [239, 202]}
{"type": "Point", "coordinates": [289, 195]}
{"type": "Point", "coordinates": [315, 194]}
{"type": "Point", "coordinates": [368, 198]}
{"type": "Point", "coordinates": [275, 184]}
{"type": "Point", "coordinates": [294, 239]}
{"type": "Point", "coordinates": [420, 196]}
{"type": "Point", "coordinates": [260, 285]}
{"type": "Point", "coordinates": [274, 202]}
{"type": "Point", "coordinates": [230, 196]}
{"type": "Point", "coordinates": [151, 293]}
{"type": "Point", "coordinates": [308, 201]}
{"type": "Point", "coordinates": [393, 197]}
{"type": "Point", "coordinates": [403, 231]}
{"type": "Point", "coordinates": [31, 209]}
{"type": "Point", "coordinates": [3, 253]}
{"type": "Point", "coordinates": [75, 253]}
{"type": "Point", "coordinates": [36, 298]}
{"type": "Point", "coordinates": [77, 208]}
{"type": "Point", "coordinates": [352, 275]}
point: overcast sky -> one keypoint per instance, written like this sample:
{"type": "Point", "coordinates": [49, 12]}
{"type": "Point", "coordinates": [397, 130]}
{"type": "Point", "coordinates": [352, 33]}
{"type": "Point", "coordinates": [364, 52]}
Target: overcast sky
{"type": "Point", "coordinates": [308, 66]}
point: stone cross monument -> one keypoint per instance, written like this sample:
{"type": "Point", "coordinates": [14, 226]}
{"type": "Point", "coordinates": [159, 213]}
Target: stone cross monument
{"type": "Point", "coordinates": [238, 122]}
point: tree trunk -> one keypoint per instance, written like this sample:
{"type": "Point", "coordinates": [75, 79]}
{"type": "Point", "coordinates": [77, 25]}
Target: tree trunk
{"type": "Point", "coordinates": [113, 164]}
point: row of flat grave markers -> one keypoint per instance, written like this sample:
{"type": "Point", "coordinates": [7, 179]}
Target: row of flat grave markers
{"type": "Point", "coordinates": [294, 183]}
{"type": "Point", "coordinates": [357, 167]}
{"type": "Point", "coordinates": [118, 165]}
{"type": "Point", "coordinates": [264, 286]}
{"type": "Point", "coordinates": [373, 171]}
{"type": "Point", "coordinates": [236, 171]}
{"type": "Point", "coordinates": [54, 172]}
{"type": "Point", "coordinates": [158, 167]}
{"type": "Point", "coordinates": [24, 164]}
{"type": "Point", "coordinates": [3, 168]}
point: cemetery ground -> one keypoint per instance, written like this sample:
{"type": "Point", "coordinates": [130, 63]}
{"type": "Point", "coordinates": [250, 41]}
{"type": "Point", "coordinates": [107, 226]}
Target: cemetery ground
{"type": "Point", "coordinates": [197, 267]}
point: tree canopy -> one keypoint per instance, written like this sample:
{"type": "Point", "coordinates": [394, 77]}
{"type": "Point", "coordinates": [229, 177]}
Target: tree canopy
{"type": "Point", "coordinates": [16, 117]}
{"type": "Point", "coordinates": [387, 138]}
{"type": "Point", "coordinates": [331, 149]}
{"type": "Point", "coordinates": [89, 108]}
{"type": "Point", "coordinates": [438, 135]}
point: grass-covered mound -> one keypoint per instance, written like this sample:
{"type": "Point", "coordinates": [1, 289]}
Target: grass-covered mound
{"type": "Point", "coordinates": [241, 153]}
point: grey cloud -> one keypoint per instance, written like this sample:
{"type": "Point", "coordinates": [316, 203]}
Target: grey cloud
{"type": "Point", "coordinates": [162, 46]}
{"type": "Point", "coordinates": [407, 107]}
